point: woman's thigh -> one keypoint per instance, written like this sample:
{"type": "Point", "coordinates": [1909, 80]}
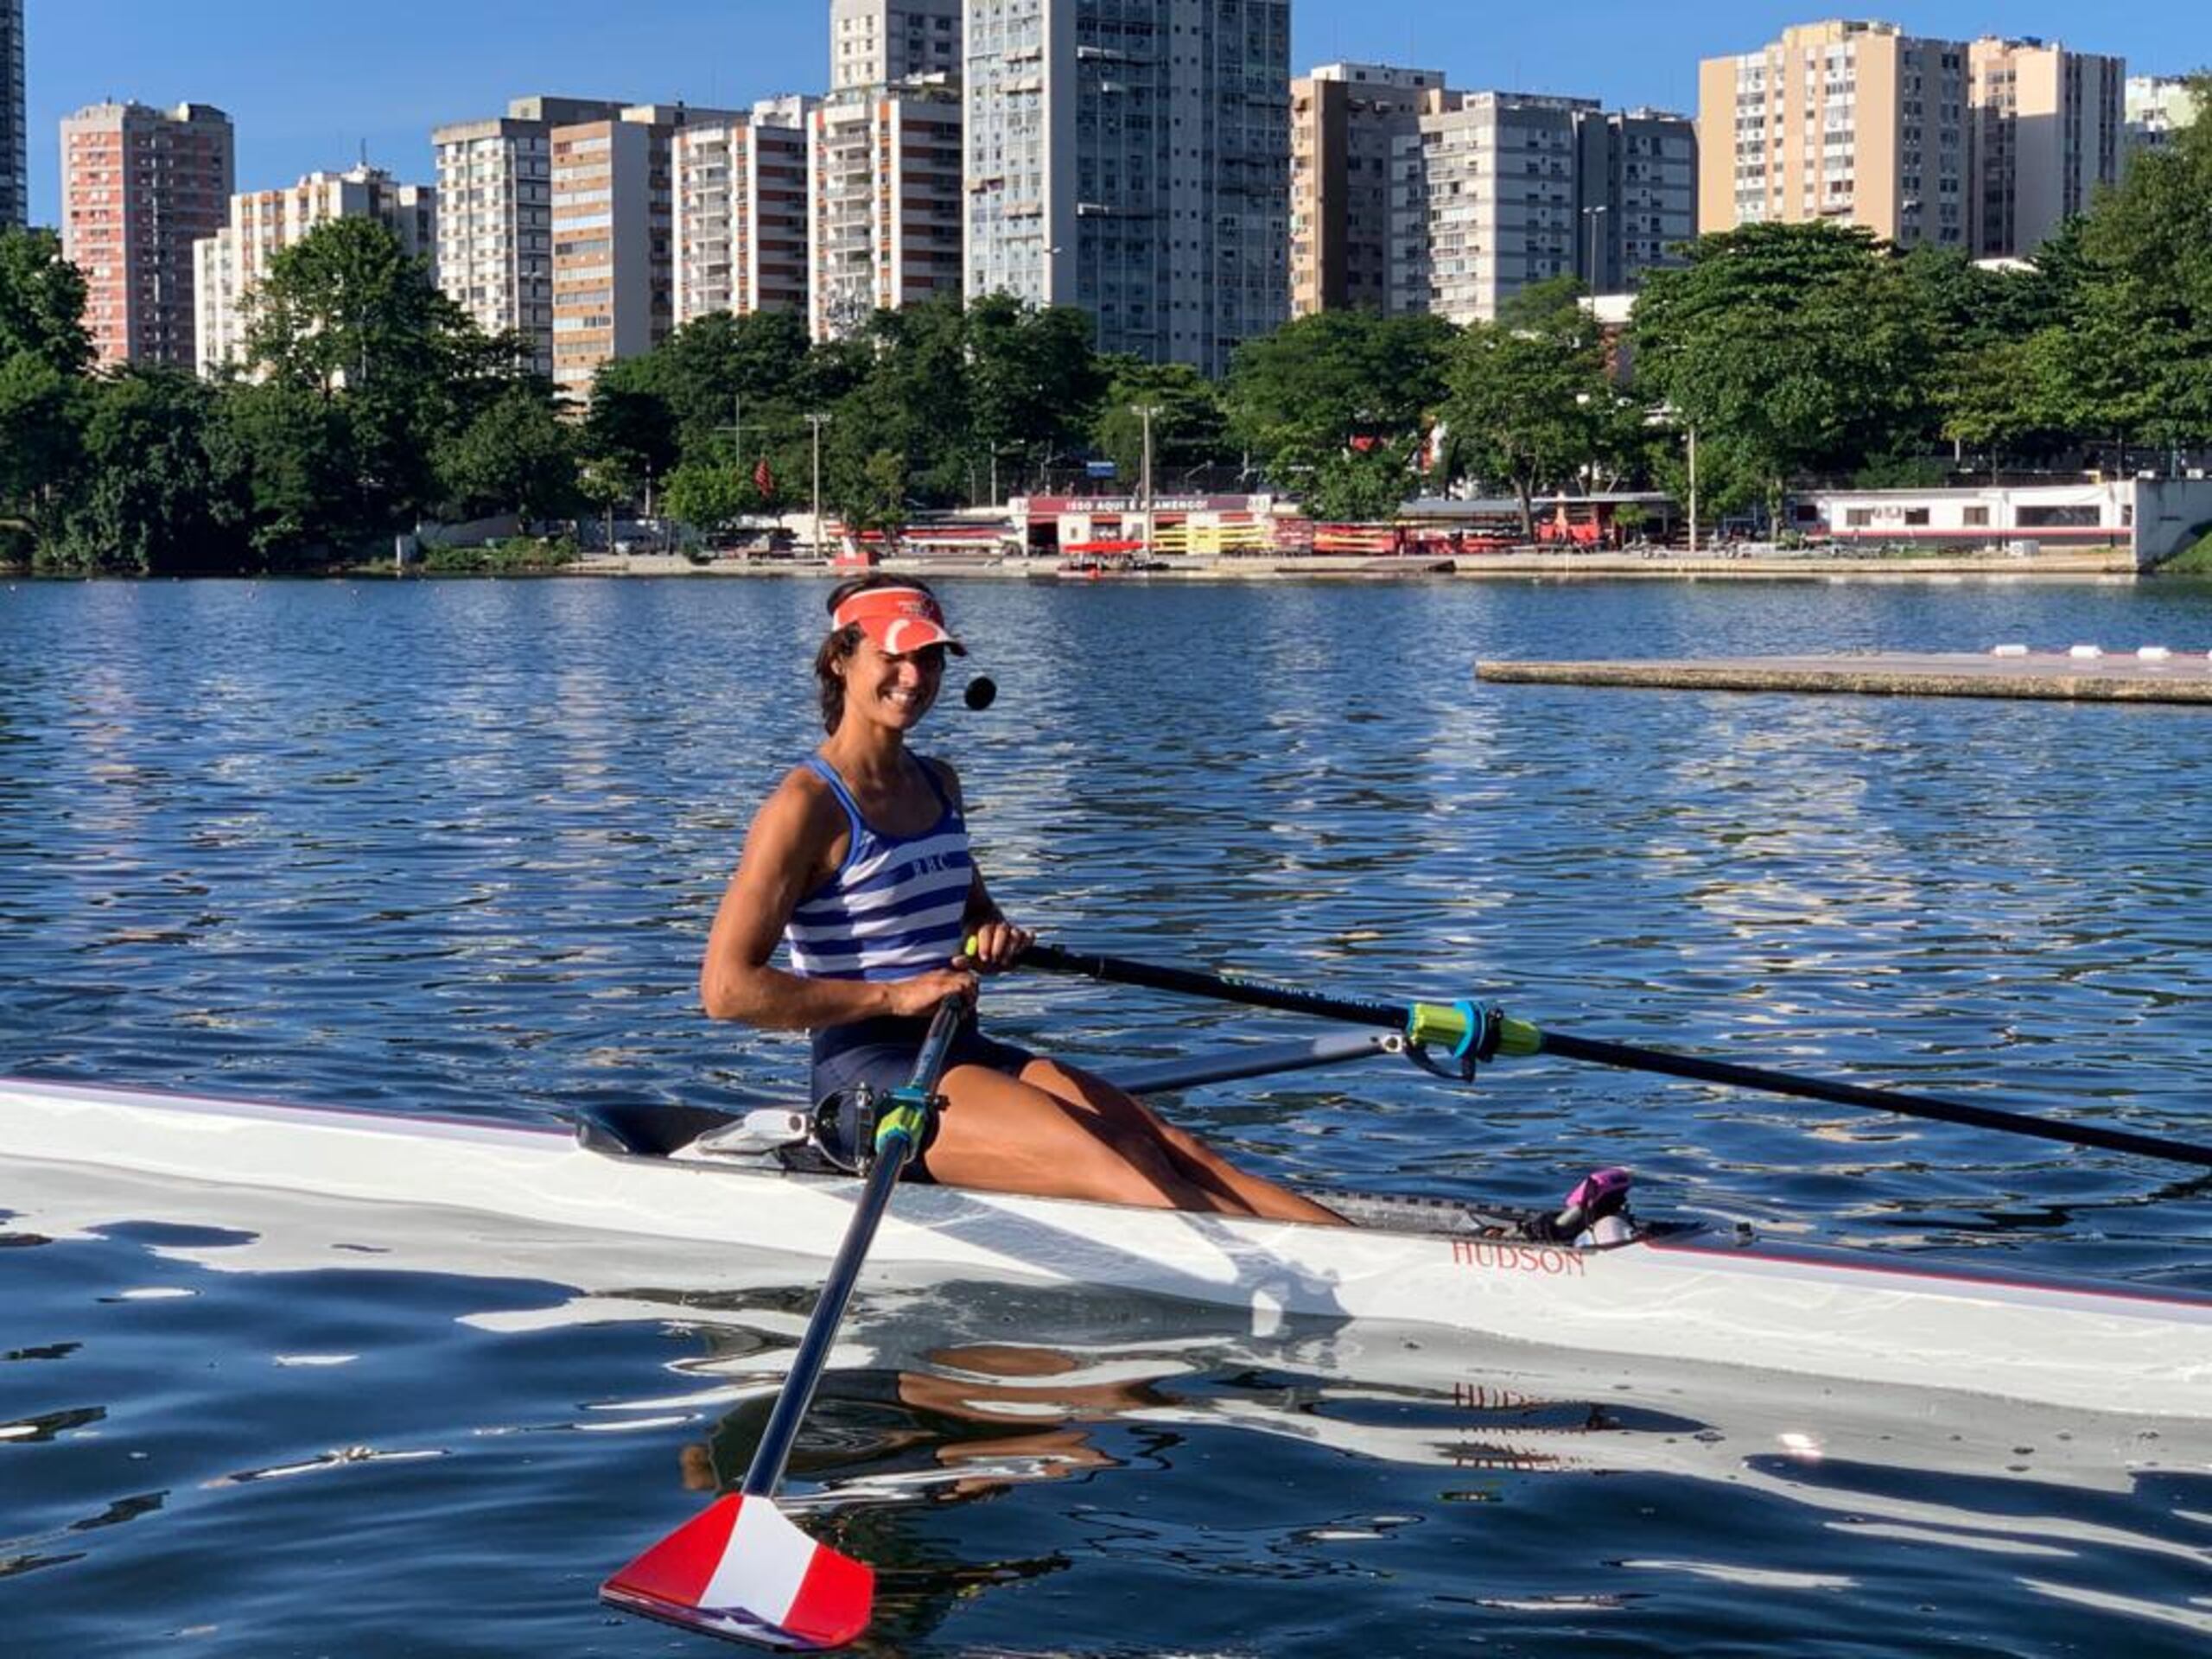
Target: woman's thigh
{"type": "Point", "coordinates": [1008, 1136]}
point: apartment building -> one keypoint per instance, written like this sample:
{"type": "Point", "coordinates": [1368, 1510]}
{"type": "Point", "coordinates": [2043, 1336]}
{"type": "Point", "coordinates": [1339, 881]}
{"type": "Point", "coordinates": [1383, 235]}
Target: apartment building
{"type": "Point", "coordinates": [139, 187]}
{"type": "Point", "coordinates": [495, 215]}
{"type": "Point", "coordinates": [2155, 107]}
{"type": "Point", "coordinates": [739, 235]}
{"type": "Point", "coordinates": [1857, 123]}
{"type": "Point", "coordinates": [614, 237]}
{"type": "Point", "coordinates": [229, 265]}
{"type": "Point", "coordinates": [14, 143]}
{"type": "Point", "coordinates": [882, 42]}
{"type": "Point", "coordinates": [1355, 240]}
{"type": "Point", "coordinates": [883, 203]}
{"type": "Point", "coordinates": [1132, 157]}
{"type": "Point", "coordinates": [1498, 172]}
{"type": "Point", "coordinates": [2045, 128]}
{"type": "Point", "coordinates": [1636, 195]}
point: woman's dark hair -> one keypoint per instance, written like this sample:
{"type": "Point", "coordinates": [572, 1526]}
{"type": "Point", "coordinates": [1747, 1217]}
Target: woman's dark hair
{"type": "Point", "coordinates": [841, 643]}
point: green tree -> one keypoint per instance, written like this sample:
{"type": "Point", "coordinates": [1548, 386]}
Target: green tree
{"type": "Point", "coordinates": [347, 314]}
{"type": "Point", "coordinates": [42, 302]}
{"type": "Point", "coordinates": [1298, 397]}
{"type": "Point", "coordinates": [1188, 430]}
{"type": "Point", "coordinates": [2137, 362]}
{"type": "Point", "coordinates": [1034, 381]}
{"type": "Point", "coordinates": [42, 412]}
{"type": "Point", "coordinates": [283, 461]}
{"type": "Point", "coordinates": [147, 504]}
{"type": "Point", "coordinates": [516, 456]}
{"type": "Point", "coordinates": [1529, 395]}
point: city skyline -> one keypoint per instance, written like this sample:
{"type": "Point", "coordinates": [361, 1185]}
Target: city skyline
{"type": "Point", "coordinates": [307, 91]}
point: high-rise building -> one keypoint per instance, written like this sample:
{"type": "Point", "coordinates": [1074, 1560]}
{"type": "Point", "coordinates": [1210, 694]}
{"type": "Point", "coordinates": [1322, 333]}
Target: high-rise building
{"type": "Point", "coordinates": [2156, 106]}
{"type": "Point", "coordinates": [740, 212]}
{"type": "Point", "coordinates": [613, 233]}
{"type": "Point", "coordinates": [1132, 157]}
{"type": "Point", "coordinates": [2045, 127]}
{"type": "Point", "coordinates": [1853, 121]}
{"type": "Point", "coordinates": [883, 202]}
{"type": "Point", "coordinates": [1498, 173]}
{"type": "Point", "coordinates": [879, 42]}
{"type": "Point", "coordinates": [1353, 242]}
{"type": "Point", "coordinates": [495, 215]}
{"type": "Point", "coordinates": [139, 187]}
{"type": "Point", "coordinates": [14, 143]}
{"type": "Point", "coordinates": [228, 265]}
{"type": "Point", "coordinates": [1636, 195]}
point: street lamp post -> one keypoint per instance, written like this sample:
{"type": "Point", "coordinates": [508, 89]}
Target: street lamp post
{"type": "Point", "coordinates": [1693, 490]}
{"type": "Point", "coordinates": [1144, 412]}
{"type": "Point", "coordinates": [817, 420]}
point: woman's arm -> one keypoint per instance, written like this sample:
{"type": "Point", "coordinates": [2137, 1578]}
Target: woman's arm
{"type": "Point", "coordinates": [786, 854]}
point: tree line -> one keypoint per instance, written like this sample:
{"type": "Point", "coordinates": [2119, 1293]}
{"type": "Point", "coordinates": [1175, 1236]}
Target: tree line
{"type": "Point", "coordinates": [368, 402]}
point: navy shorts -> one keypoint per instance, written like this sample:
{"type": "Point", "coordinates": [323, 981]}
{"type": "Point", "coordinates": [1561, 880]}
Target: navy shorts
{"type": "Point", "coordinates": [881, 1053]}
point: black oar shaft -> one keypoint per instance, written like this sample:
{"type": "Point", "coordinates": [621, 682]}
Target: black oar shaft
{"type": "Point", "coordinates": [1632, 1059]}
{"type": "Point", "coordinates": [766, 1473]}
{"type": "Point", "coordinates": [1525, 1038]}
{"type": "Point", "coordinates": [1121, 971]}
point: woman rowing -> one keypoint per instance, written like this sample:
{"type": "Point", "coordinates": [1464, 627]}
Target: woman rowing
{"type": "Point", "coordinates": [858, 863]}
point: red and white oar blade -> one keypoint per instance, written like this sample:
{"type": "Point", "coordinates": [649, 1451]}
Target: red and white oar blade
{"type": "Point", "coordinates": [741, 1570]}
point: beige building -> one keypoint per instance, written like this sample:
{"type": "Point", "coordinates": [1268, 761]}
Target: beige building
{"type": "Point", "coordinates": [879, 42]}
{"type": "Point", "coordinates": [1853, 121]}
{"type": "Point", "coordinates": [2046, 130]}
{"type": "Point", "coordinates": [614, 237]}
{"type": "Point", "coordinates": [495, 215]}
{"type": "Point", "coordinates": [139, 187]}
{"type": "Point", "coordinates": [1357, 238]}
{"type": "Point", "coordinates": [883, 203]}
{"type": "Point", "coordinates": [739, 237]}
{"type": "Point", "coordinates": [228, 265]}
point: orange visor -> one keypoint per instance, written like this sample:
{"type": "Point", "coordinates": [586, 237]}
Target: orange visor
{"type": "Point", "coordinates": [900, 620]}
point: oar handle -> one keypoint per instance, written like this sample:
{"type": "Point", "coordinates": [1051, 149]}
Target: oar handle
{"type": "Point", "coordinates": [896, 1139]}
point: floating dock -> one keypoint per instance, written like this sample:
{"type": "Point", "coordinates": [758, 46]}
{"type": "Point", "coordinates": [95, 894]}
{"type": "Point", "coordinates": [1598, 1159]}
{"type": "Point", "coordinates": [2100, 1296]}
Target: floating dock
{"type": "Point", "coordinates": [2082, 674]}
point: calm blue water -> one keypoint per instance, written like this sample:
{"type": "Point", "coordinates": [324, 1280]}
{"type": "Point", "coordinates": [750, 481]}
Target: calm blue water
{"type": "Point", "coordinates": [454, 848]}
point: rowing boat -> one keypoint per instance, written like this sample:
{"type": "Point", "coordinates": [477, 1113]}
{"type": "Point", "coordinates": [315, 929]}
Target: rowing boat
{"type": "Point", "coordinates": [1664, 1290]}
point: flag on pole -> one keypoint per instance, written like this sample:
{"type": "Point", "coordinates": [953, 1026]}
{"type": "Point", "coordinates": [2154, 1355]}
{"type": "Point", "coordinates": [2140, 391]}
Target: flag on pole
{"type": "Point", "coordinates": [763, 479]}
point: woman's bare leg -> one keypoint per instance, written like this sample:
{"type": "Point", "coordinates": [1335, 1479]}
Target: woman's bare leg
{"type": "Point", "coordinates": [1093, 1141]}
{"type": "Point", "coordinates": [1199, 1162]}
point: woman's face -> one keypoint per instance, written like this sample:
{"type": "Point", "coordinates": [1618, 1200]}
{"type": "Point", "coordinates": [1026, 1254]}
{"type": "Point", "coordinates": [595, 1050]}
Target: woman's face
{"type": "Point", "coordinates": [892, 688]}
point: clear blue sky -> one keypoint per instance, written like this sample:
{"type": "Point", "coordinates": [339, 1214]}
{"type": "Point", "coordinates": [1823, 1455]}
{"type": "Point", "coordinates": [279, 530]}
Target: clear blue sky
{"type": "Point", "coordinates": [310, 84]}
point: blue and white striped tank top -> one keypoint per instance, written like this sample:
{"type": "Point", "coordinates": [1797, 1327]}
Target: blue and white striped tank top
{"type": "Point", "coordinates": [895, 905]}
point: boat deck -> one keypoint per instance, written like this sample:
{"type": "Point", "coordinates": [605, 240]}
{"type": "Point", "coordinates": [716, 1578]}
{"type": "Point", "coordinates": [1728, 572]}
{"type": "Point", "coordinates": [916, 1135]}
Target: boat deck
{"type": "Point", "coordinates": [2084, 674]}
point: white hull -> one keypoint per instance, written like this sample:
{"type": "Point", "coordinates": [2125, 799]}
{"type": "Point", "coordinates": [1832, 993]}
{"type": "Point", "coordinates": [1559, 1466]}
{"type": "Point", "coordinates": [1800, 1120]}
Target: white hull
{"type": "Point", "coordinates": [1851, 1317]}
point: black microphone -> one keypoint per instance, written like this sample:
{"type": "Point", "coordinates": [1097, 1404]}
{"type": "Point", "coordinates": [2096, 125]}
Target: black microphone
{"type": "Point", "coordinates": [982, 692]}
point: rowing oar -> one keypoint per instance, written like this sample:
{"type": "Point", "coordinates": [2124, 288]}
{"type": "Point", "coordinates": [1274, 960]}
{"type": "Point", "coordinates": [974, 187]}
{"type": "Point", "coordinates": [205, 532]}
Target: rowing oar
{"type": "Point", "coordinates": [1482, 1031]}
{"type": "Point", "coordinates": [739, 1568]}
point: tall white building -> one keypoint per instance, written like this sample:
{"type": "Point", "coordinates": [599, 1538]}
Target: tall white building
{"type": "Point", "coordinates": [2045, 128]}
{"type": "Point", "coordinates": [495, 215]}
{"type": "Point", "coordinates": [877, 43]}
{"type": "Point", "coordinates": [228, 265]}
{"type": "Point", "coordinates": [15, 151]}
{"type": "Point", "coordinates": [883, 203]}
{"type": "Point", "coordinates": [1132, 157]}
{"type": "Point", "coordinates": [1498, 173]}
{"type": "Point", "coordinates": [740, 212]}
